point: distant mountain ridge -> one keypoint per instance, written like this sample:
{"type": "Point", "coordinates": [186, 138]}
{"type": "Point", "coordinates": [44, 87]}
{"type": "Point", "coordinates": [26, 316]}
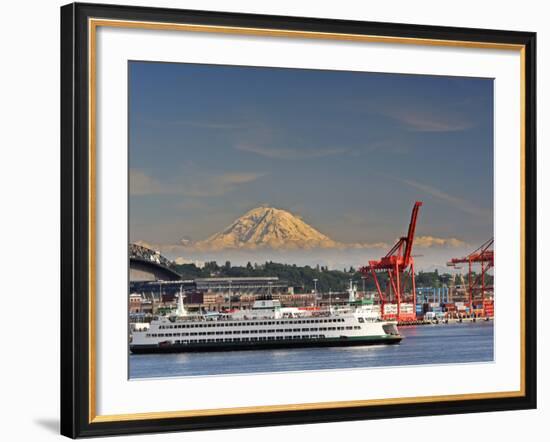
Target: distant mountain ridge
{"type": "Point", "coordinates": [267, 227]}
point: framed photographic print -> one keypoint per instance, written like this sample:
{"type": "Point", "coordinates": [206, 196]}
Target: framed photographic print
{"type": "Point", "coordinates": [279, 220]}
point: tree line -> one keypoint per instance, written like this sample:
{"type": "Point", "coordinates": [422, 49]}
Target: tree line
{"type": "Point", "coordinates": [304, 276]}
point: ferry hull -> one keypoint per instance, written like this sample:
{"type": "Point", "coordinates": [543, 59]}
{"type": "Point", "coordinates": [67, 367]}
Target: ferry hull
{"type": "Point", "coordinates": [264, 345]}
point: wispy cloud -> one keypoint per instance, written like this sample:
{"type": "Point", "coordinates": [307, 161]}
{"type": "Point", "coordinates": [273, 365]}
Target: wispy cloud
{"type": "Point", "coordinates": [421, 117]}
{"type": "Point", "coordinates": [455, 201]}
{"type": "Point", "coordinates": [418, 120]}
{"type": "Point", "coordinates": [191, 183]}
{"type": "Point", "coordinates": [218, 185]}
{"type": "Point", "coordinates": [433, 241]}
{"type": "Point", "coordinates": [143, 184]}
{"type": "Point", "coordinates": [288, 153]}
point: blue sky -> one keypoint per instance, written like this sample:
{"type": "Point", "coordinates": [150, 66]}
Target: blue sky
{"type": "Point", "coordinates": [349, 152]}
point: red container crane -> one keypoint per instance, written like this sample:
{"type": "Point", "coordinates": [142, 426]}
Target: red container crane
{"type": "Point", "coordinates": [397, 263]}
{"type": "Point", "coordinates": [484, 255]}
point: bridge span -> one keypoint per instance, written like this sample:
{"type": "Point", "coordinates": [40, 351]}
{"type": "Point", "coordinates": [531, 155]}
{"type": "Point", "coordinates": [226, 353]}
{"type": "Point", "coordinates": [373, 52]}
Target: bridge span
{"type": "Point", "coordinates": [150, 265]}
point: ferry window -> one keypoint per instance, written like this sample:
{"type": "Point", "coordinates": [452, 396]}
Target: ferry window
{"type": "Point", "coordinates": [315, 329]}
{"type": "Point", "coordinates": [349, 327]}
{"type": "Point", "coordinates": [356, 327]}
{"type": "Point", "coordinates": [271, 331]}
{"type": "Point", "coordinates": [361, 320]}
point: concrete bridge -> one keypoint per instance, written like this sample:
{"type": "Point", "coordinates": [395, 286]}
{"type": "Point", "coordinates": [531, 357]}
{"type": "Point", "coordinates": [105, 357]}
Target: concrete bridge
{"type": "Point", "coordinates": [150, 265]}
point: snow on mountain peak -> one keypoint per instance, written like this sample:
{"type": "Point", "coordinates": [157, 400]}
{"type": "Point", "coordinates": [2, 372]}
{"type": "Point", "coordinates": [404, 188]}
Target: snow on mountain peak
{"type": "Point", "coordinates": [267, 227]}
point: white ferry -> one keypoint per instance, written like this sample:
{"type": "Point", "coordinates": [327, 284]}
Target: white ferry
{"type": "Point", "coordinates": [265, 325]}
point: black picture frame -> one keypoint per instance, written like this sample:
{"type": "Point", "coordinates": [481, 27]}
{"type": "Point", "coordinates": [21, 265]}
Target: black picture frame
{"type": "Point", "coordinates": [75, 221]}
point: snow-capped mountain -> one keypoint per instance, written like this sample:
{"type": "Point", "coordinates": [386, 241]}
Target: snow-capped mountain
{"type": "Point", "coordinates": [267, 227]}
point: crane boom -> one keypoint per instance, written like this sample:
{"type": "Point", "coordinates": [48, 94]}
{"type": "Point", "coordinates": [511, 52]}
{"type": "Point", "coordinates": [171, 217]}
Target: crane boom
{"type": "Point", "coordinates": [411, 232]}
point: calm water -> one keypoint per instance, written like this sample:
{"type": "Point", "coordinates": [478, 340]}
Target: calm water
{"type": "Point", "coordinates": [427, 344]}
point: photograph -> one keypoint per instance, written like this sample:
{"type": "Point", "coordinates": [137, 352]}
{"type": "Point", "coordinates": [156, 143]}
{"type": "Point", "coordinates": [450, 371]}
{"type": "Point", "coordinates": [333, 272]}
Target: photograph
{"type": "Point", "coordinates": [277, 220]}
{"type": "Point", "coordinates": [292, 220]}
